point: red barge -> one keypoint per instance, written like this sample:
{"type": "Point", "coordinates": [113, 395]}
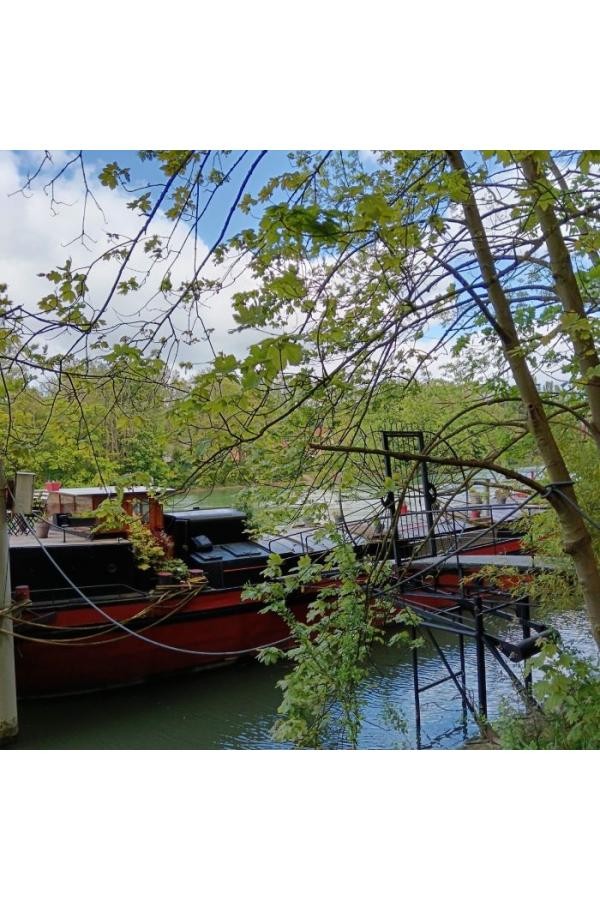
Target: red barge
{"type": "Point", "coordinates": [86, 617]}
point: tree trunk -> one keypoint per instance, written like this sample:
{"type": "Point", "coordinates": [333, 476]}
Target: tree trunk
{"type": "Point", "coordinates": [579, 221]}
{"type": "Point", "coordinates": [569, 294]}
{"type": "Point", "coordinates": [576, 538]}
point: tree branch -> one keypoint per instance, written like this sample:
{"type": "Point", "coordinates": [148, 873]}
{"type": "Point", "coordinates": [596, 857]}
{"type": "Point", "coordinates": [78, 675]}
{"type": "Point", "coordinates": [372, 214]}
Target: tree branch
{"type": "Point", "coordinates": [458, 463]}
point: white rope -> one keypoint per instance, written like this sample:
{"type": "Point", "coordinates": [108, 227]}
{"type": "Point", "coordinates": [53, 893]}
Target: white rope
{"type": "Point", "coordinates": [142, 637]}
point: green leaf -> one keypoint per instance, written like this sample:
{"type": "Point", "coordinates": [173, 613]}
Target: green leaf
{"type": "Point", "coordinates": [225, 364]}
{"type": "Point", "coordinates": [112, 174]}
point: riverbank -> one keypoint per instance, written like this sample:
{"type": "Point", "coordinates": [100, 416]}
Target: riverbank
{"type": "Point", "coordinates": [480, 744]}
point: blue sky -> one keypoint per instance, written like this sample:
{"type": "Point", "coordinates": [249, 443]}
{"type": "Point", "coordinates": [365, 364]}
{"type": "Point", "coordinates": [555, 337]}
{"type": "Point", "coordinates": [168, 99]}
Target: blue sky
{"type": "Point", "coordinates": [33, 240]}
{"type": "Point", "coordinates": [29, 224]}
{"type": "Point", "coordinates": [144, 172]}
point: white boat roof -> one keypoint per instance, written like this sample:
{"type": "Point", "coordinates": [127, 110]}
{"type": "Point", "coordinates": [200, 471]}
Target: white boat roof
{"type": "Point", "coordinates": [108, 490]}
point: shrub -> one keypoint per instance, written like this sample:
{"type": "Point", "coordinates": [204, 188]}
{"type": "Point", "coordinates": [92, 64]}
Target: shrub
{"type": "Point", "coordinates": [568, 717]}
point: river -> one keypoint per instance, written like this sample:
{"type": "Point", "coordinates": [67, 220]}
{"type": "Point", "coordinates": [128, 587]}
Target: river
{"type": "Point", "coordinates": [236, 707]}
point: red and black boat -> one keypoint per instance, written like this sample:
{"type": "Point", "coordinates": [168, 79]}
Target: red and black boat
{"type": "Point", "coordinates": [87, 617]}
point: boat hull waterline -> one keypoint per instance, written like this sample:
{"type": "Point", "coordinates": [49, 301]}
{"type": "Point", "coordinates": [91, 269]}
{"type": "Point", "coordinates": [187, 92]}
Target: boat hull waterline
{"type": "Point", "coordinates": [71, 647]}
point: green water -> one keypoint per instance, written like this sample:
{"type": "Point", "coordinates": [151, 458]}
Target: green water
{"type": "Point", "coordinates": [219, 495]}
{"type": "Point", "coordinates": [236, 707]}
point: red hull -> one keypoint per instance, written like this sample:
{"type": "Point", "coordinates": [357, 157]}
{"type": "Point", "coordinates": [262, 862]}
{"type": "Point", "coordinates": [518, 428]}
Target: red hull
{"type": "Point", "coordinates": [218, 623]}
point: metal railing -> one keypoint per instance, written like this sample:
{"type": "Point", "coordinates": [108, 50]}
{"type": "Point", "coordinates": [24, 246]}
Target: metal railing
{"type": "Point", "coordinates": [452, 528]}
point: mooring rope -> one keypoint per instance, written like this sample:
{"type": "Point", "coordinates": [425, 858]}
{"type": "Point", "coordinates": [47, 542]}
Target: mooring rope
{"type": "Point", "coordinates": [88, 640]}
{"type": "Point", "coordinates": [142, 637]}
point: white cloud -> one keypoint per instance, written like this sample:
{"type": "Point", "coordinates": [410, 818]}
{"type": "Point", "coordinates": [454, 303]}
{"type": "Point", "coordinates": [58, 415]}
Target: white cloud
{"type": "Point", "coordinates": [36, 236]}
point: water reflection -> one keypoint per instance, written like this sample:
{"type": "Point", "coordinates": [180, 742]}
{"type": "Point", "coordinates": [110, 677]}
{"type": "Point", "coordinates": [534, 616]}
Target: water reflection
{"type": "Point", "coordinates": [236, 707]}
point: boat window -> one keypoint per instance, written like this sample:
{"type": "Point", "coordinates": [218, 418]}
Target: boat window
{"type": "Point", "coordinates": [141, 508]}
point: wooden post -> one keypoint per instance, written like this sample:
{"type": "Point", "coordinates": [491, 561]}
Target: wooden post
{"type": "Point", "coordinates": [9, 725]}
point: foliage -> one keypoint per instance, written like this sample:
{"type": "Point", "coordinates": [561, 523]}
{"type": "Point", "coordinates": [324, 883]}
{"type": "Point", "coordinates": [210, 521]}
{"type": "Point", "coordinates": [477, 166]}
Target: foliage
{"type": "Point", "coordinates": [149, 551]}
{"type": "Point", "coordinates": [103, 427]}
{"type": "Point", "coordinates": [557, 587]}
{"type": "Point", "coordinates": [330, 652]}
{"type": "Point", "coordinates": [347, 249]}
{"type": "Point", "coordinates": [568, 692]}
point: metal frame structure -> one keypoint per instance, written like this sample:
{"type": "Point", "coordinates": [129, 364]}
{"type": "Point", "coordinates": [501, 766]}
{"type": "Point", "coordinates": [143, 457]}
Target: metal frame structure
{"type": "Point", "coordinates": [426, 486]}
{"type": "Point", "coordinates": [467, 619]}
{"type": "Point", "coordinates": [465, 615]}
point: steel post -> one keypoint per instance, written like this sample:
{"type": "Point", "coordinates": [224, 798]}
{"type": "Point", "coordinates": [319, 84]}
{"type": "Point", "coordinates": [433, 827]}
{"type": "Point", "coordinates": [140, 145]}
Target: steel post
{"type": "Point", "coordinates": [480, 655]}
{"type": "Point", "coordinates": [415, 668]}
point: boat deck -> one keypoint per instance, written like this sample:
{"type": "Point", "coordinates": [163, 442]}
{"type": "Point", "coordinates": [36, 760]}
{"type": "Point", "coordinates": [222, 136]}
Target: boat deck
{"type": "Point", "coordinates": [60, 536]}
{"type": "Point", "coordinates": [474, 561]}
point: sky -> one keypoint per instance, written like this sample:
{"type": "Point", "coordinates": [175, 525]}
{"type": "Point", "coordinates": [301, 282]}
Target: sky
{"type": "Point", "coordinates": [36, 235]}
{"type": "Point", "coordinates": [210, 225]}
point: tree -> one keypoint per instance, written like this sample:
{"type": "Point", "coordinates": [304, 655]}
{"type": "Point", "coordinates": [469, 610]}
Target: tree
{"type": "Point", "coordinates": [364, 261]}
{"type": "Point", "coordinates": [367, 260]}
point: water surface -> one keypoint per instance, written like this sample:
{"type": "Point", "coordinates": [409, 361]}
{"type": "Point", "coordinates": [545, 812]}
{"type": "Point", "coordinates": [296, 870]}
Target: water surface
{"type": "Point", "coordinates": [236, 707]}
